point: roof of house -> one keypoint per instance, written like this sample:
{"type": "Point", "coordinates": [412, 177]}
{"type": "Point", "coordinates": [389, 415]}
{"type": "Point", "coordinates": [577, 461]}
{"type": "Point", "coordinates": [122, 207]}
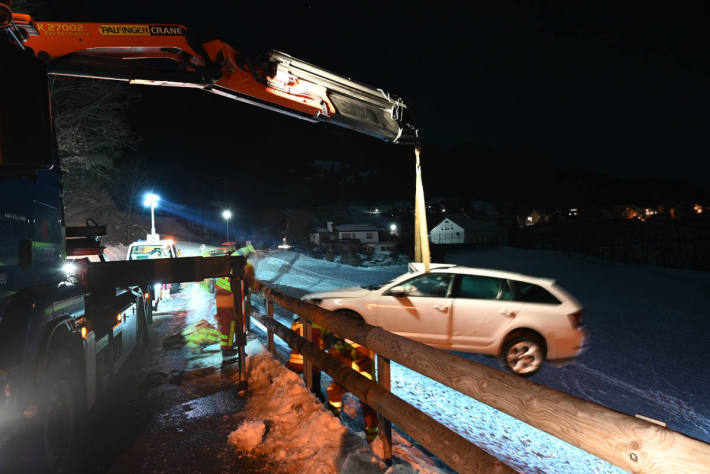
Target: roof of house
{"type": "Point", "coordinates": [355, 227]}
{"type": "Point", "coordinates": [473, 224]}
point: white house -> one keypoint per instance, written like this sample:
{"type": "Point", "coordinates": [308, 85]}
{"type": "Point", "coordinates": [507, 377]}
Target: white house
{"type": "Point", "coordinates": [365, 233]}
{"type": "Point", "coordinates": [460, 229]}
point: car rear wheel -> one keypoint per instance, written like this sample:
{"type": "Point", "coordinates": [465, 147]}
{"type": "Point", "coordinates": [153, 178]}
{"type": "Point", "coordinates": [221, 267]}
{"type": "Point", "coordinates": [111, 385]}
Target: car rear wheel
{"type": "Point", "coordinates": [524, 353]}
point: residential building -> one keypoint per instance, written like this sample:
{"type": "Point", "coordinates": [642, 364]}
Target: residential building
{"type": "Point", "coordinates": [461, 229]}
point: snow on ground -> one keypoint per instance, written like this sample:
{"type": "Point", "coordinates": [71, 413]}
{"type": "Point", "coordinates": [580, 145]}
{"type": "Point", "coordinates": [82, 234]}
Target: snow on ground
{"type": "Point", "coordinates": [286, 425]}
{"type": "Point", "coordinates": [298, 271]}
{"type": "Point", "coordinates": [647, 328]}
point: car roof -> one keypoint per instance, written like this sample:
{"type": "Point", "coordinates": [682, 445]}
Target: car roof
{"type": "Point", "coordinates": [462, 270]}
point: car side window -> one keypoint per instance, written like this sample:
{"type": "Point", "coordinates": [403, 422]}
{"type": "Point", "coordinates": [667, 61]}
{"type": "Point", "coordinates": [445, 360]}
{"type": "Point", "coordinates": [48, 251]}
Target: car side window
{"type": "Point", "coordinates": [531, 293]}
{"type": "Point", "coordinates": [478, 287]}
{"type": "Point", "coordinates": [431, 284]}
{"type": "Point", "coordinates": [506, 291]}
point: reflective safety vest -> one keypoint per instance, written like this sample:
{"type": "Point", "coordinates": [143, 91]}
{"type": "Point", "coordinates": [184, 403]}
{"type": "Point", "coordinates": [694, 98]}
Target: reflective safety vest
{"type": "Point", "coordinates": [295, 359]}
{"type": "Point", "coordinates": [223, 282]}
{"type": "Point", "coordinates": [201, 334]}
{"type": "Point", "coordinates": [360, 357]}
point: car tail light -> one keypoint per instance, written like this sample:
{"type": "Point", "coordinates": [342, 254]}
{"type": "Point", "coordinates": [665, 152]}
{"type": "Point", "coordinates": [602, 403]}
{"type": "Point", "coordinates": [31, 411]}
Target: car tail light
{"type": "Point", "coordinates": [576, 319]}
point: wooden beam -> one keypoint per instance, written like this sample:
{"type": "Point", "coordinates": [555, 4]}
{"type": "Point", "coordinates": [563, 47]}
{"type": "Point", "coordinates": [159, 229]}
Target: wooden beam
{"type": "Point", "coordinates": [449, 446]}
{"type": "Point", "coordinates": [159, 270]}
{"type": "Point", "coordinates": [625, 441]}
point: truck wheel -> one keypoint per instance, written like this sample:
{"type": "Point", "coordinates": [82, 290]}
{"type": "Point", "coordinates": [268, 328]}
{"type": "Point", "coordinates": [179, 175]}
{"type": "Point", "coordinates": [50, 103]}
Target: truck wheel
{"type": "Point", "coordinates": [61, 418]}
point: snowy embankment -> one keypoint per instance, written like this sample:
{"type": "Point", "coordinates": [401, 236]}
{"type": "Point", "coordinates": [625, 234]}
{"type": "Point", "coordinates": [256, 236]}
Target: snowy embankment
{"type": "Point", "coordinates": [640, 319]}
{"type": "Point", "coordinates": [289, 428]}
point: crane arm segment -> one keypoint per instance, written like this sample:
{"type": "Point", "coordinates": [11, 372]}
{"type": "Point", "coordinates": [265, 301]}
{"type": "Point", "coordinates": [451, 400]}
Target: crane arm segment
{"type": "Point", "coordinates": [168, 55]}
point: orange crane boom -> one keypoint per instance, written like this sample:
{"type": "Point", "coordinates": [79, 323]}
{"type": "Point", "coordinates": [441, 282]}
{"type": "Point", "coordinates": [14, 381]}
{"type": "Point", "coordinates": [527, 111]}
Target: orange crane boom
{"type": "Point", "coordinates": [167, 55]}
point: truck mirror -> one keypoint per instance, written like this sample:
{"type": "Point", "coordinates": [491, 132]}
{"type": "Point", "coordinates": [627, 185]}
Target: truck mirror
{"type": "Point", "coordinates": [26, 135]}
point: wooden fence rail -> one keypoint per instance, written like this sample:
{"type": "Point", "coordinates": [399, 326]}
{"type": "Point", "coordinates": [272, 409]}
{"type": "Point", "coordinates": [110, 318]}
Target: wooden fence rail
{"type": "Point", "coordinates": [625, 441]}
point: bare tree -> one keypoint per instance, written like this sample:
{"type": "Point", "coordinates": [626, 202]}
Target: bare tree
{"type": "Point", "coordinates": [92, 133]}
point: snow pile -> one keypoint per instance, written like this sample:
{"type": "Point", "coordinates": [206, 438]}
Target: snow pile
{"type": "Point", "coordinates": [287, 424]}
{"type": "Point", "coordinates": [405, 451]}
{"type": "Point", "coordinates": [248, 436]}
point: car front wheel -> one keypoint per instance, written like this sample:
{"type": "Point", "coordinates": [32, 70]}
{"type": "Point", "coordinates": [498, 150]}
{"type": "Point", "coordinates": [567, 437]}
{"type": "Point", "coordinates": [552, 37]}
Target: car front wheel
{"type": "Point", "coordinates": [523, 354]}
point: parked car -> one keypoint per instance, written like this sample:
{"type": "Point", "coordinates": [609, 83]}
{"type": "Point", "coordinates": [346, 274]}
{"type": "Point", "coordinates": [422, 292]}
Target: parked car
{"type": "Point", "coordinates": [521, 319]}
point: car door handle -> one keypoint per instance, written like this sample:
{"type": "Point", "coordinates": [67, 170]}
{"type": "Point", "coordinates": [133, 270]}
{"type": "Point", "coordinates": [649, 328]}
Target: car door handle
{"type": "Point", "coordinates": [506, 312]}
{"type": "Point", "coordinates": [441, 307]}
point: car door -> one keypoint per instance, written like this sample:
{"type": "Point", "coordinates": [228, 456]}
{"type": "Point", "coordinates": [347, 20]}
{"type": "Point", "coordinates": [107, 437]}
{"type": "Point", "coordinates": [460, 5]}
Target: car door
{"type": "Point", "coordinates": [483, 307]}
{"type": "Point", "coordinates": [423, 313]}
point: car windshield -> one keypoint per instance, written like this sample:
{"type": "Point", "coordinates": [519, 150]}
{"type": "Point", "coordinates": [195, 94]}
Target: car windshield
{"type": "Point", "coordinates": [140, 252]}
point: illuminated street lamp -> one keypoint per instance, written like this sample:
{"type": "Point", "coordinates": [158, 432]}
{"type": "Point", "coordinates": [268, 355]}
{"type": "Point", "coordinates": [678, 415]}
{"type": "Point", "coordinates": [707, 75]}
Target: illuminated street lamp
{"type": "Point", "coordinates": [151, 200]}
{"type": "Point", "coordinates": [226, 215]}
{"type": "Point", "coordinates": [393, 229]}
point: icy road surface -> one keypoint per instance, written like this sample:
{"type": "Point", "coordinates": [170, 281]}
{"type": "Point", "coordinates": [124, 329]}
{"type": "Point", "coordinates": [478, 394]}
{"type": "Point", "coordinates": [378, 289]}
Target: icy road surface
{"type": "Point", "coordinates": [647, 328]}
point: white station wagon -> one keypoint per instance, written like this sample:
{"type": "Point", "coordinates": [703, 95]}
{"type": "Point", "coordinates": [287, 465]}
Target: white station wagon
{"type": "Point", "coordinates": [521, 319]}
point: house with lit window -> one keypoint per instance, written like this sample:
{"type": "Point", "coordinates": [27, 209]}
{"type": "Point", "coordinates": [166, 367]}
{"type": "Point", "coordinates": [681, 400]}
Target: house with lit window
{"type": "Point", "coordinates": [461, 229]}
{"type": "Point", "coordinates": [365, 237]}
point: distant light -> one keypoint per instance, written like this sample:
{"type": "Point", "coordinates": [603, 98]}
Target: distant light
{"type": "Point", "coordinates": [393, 227]}
{"type": "Point", "coordinates": [83, 332]}
{"type": "Point", "coordinates": [119, 317]}
{"type": "Point", "coordinates": [443, 209]}
{"type": "Point", "coordinates": [151, 200]}
{"type": "Point", "coordinates": [226, 214]}
{"type": "Point", "coordinates": [698, 209]}
{"type": "Point", "coordinates": [69, 268]}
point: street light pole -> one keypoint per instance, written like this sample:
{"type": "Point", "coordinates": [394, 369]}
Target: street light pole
{"type": "Point", "coordinates": [226, 215]}
{"type": "Point", "coordinates": [151, 200]}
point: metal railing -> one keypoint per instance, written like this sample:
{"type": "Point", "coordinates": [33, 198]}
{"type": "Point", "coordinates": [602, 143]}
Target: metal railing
{"type": "Point", "coordinates": [630, 443]}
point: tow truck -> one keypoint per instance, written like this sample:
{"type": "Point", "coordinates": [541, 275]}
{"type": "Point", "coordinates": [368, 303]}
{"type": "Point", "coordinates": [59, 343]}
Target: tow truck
{"type": "Point", "coordinates": [63, 340]}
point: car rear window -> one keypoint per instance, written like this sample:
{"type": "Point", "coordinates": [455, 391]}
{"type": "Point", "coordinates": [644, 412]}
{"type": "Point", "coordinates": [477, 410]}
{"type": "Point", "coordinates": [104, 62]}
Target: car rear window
{"type": "Point", "coordinates": [531, 293]}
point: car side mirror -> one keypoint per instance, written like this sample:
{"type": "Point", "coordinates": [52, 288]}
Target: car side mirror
{"type": "Point", "coordinates": [398, 291]}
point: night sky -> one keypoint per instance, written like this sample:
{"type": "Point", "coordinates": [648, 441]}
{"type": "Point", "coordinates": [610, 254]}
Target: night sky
{"type": "Point", "coordinates": [614, 88]}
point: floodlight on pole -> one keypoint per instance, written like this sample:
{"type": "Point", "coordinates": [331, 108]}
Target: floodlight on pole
{"type": "Point", "coordinates": [226, 215]}
{"type": "Point", "coordinates": [151, 200]}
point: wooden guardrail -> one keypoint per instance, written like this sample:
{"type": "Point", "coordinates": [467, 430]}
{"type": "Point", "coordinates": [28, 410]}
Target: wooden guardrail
{"type": "Point", "coordinates": [633, 444]}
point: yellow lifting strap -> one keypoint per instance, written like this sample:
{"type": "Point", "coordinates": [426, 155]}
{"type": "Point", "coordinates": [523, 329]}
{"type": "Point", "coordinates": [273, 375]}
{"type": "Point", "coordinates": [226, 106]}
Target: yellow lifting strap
{"type": "Point", "coordinates": [421, 234]}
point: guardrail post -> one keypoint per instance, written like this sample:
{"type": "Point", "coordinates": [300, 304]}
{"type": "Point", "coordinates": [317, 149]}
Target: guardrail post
{"type": "Point", "coordinates": [270, 314]}
{"type": "Point", "coordinates": [247, 325]}
{"type": "Point", "coordinates": [385, 426]}
{"type": "Point", "coordinates": [307, 364]}
{"type": "Point", "coordinates": [238, 288]}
